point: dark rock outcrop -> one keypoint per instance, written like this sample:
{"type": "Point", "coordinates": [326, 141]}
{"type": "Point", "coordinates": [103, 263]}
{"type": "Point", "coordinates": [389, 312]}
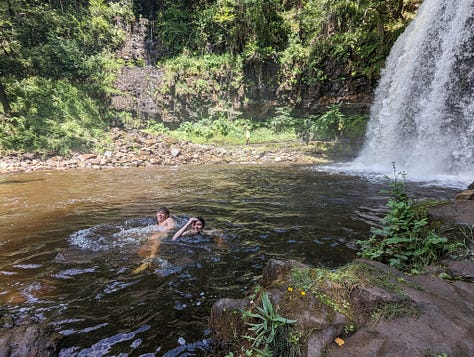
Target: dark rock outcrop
{"type": "Point", "coordinates": [29, 340]}
{"type": "Point", "coordinates": [434, 315]}
{"type": "Point", "coordinates": [466, 195]}
{"type": "Point", "coordinates": [459, 212]}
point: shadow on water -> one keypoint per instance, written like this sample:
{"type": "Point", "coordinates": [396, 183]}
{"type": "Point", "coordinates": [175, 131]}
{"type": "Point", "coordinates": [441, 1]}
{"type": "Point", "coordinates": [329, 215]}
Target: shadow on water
{"type": "Point", "coordinates": [71, 240]}
{"type": "Point", "coordinates": [9, 182]}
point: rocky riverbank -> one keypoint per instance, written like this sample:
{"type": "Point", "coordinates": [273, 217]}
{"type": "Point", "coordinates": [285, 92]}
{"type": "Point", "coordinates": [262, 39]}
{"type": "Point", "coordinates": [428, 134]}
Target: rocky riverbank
{"type": "Point", "coordinates": [139, 149]}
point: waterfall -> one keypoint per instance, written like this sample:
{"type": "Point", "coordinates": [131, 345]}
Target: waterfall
{"type": "Point", "coordinates": [422, 118]}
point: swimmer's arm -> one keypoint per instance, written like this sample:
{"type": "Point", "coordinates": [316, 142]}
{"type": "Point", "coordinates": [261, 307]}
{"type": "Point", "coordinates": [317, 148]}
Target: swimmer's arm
{"type": "Point", "coordinates": [180, 232]}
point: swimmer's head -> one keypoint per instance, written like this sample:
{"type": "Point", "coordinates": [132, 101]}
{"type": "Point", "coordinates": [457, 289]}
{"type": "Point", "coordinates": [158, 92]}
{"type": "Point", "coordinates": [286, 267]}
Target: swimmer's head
{"type": "Point", "coordinates": [203, 222]}
{"type": "Point", "coordinates": [162, 214]}
{"type": "Point", "coordinates": [198, 225]}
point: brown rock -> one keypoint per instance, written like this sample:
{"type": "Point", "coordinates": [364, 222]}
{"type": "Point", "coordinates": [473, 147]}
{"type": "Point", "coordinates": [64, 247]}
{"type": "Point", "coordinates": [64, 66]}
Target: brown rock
{"type": "Point", "coordinates": [29, 340]}
{"type": "Point", "coordinates": [276, 268]}
{"type": "Point", "coordinates": [458, 212]}
{"type": "Point", "coordinates": [226, 320]}
{"type": "Point", "coordinates": [426, 314]}
{"type": "Point", "coordinates": [466, 195]}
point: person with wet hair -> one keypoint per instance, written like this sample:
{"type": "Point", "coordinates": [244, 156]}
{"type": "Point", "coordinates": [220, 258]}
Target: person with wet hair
{"type": "Point", "coordinates": [164, 219]}
{"type": "Point", "coordinates": [196, 223]}
{"type": "Point", "coordinates": [167, 223]}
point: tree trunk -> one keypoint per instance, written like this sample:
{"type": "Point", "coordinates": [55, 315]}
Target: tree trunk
{"type": "Point", "coordinates": [4, 100]}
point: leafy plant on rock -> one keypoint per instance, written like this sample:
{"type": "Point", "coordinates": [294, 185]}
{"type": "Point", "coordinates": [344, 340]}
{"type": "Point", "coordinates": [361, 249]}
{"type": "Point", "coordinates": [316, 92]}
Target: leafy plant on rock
{"type": "Point", "coordinates": [268, 328]}
{"type": "Point", "coordinates": [405, 240]}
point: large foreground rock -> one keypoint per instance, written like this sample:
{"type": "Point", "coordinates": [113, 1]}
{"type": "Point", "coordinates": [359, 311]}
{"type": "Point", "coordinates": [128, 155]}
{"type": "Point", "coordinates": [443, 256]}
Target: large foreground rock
{"type": "Point", "coordinates": [444, 325]}
{"type": "Point", "coordinates": [29, 339]}
{"type": "Point", "coordinates": [424, 315]}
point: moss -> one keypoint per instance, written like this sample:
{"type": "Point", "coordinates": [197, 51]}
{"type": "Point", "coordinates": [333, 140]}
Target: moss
{"type": "Point", "coordinates": [389, 311]}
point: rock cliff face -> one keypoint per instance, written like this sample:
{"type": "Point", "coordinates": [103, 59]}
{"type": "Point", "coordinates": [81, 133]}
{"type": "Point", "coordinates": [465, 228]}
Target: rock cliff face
{"type": "Point", "coordinates": [29, 339]}
{"type": "Point", "coordinates": [139, 85]}
{"type": "Point", "coordinates": [139, 81]}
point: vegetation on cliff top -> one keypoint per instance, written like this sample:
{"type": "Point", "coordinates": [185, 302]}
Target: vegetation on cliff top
{"type": "Point", "coordinates": [58, 64]}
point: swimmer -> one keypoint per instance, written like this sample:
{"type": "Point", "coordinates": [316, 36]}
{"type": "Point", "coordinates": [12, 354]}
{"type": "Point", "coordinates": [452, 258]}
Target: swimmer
{"type": "Point", "coordinates": [197, 224]}
{"type": "Point", "coordinates": [164, 220]}
{"type": "Point", "coordinates": [167, 223]}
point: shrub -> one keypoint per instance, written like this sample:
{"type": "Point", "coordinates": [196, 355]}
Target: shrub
{"type": "Point", "coordinates": [68, 120]}
{"type": "Point", "coordinates": [405, 240]}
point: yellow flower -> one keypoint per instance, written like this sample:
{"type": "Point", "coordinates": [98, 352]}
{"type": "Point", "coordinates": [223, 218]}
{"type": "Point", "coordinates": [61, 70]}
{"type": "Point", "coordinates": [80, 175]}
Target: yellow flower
{"type": "Point", "coordinates": [339, 341]}
{"type": "Point", "coordinates": [303, 293]}
{"type": "Point", "coordinates": [290, 289]}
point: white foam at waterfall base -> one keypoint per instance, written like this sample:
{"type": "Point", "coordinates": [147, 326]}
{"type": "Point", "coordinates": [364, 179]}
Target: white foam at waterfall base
{"type": "Point", "coordinates": [422, 118]}
{"type": "Point", "coordinates": [380, 173]}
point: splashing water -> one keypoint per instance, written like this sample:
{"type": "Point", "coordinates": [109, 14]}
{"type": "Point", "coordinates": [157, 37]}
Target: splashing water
{"type": "Point", "coordinates": [422, 118]}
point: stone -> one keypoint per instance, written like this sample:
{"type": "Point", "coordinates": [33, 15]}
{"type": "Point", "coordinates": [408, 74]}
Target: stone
{"type": "Point", "coordinates": [276, 268]}
{"type": "Point", "coordinates": [435, 315]}
{"type": "Point", "coordinates": [29, 339]}
{"type": "Point", "coordinates": [465, 195]}
{"type": "Point", "coordinates": [458, 212]}
{"type": "Point", "coordinates": [175, 152]}
{"type": "Point", "coordinates": [226, 320]}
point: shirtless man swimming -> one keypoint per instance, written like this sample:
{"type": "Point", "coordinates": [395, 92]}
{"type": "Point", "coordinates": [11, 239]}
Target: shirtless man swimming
{"type": "Point", "coordinates": [164, 219]}
{"type": "Point", "coordinates": [166, 223]}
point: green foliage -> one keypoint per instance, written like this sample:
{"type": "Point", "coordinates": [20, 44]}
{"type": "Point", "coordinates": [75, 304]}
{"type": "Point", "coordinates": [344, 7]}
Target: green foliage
{"type": "Point", "coordinates": [267, 329]}
{"type": "Point", "coordinates": [157, 127]}
{"type": "Point", "coordinates": [331, 125]}
{"type": "Point", "coordinates": [353, 36]}
{"type": "Point", "coordinates": [283, 121]}
{"type": "Point", "coordinates": [57, 69]}
{"type": "Point", "coordinates": [174, 26]}
{"type": "Point", "coordinates": [216, 129]}
{"type": "Point", "coordinates": [220, 127]}
{"type": "Point", "coordinates": [51, 40]}
{"type": "Point", "coordinates": [196, 79]}
{"type": "Point", "coordinates": [68, 120]}
{"type": "Point", "coordinates": [405, 240]}
{"type": "Point", "coordinates": [393, 310]}
{"type": "Point", "coordinates": [216, 53]}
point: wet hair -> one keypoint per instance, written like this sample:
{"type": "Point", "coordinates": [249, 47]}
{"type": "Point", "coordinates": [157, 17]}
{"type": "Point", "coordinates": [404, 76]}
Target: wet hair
{"type": "Point", "coordinates": [200, 219]}
{"type": "Point", "coordinates": [164, 210]}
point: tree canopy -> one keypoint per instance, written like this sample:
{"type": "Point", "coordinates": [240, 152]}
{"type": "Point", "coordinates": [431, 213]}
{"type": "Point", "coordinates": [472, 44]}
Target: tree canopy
{"type": "Point", "coordinates": [52, 49]}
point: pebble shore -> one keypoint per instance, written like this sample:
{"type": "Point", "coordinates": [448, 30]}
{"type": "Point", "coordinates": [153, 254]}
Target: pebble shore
{"type": "Point", "coordinates": [139, 149]}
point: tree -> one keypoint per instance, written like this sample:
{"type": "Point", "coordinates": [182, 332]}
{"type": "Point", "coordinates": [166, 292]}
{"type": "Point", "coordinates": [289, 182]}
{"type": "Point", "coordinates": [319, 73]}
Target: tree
{"type": "Point", "coordinates": [4, 100]}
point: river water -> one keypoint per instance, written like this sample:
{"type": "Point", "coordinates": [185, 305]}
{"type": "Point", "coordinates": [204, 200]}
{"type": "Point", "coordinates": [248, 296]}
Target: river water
{"type": "Point", "coordinates": [69, 242]}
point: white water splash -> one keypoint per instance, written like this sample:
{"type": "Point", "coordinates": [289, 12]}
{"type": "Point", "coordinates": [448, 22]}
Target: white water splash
{"type": "Point", "coordinates": [104, 237]}
{"type": "Point", "coordinates": [422, 118]}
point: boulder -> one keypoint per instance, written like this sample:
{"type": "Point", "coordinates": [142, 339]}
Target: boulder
{"type": "Point", "coordinates": [29, 339]}
{"type": "Point", "coordinates": [391, 314]}
{"type": "Point", "coordinates": [466, 195]}
{"type": "Point", "coordinates": [458, 212]}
